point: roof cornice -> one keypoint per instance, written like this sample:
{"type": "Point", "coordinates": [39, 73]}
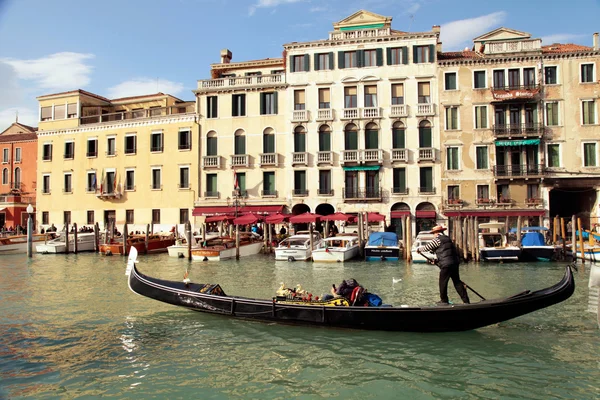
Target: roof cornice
{"type": "Point", "coordinates": [376, 39]}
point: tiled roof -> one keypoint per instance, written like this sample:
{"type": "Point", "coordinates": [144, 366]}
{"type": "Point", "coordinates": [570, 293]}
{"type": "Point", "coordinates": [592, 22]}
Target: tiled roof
{"type": "Point", "coordinates": [139, 97]}
{"type": "Point", "coordinates": [459, 55]}
{"type": "Point", "coordinates": [565, 48]}
{"type": "Point", "coordinates": [30, 128]}
{"type": "Point", "coordinates": [23, 137]}
{"type": "Point", "coordinates": [74, 92]}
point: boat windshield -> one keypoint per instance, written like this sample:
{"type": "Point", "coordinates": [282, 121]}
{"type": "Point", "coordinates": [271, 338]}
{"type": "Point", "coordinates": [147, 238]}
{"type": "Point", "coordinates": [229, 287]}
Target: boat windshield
{"type": "Point", "coordinates": [492, 240]}
{"type": "Point", "coordinates": [293, 242]}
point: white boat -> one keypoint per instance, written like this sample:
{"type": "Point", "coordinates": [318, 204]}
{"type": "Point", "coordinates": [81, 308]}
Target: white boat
{"type": "Point", "coordinates": [336, 249]}
{"type": "Point", "coordinates": [423, 238]}
{"type": "Point", "coordinates": [493, 246]}
{"type": "Point", "coordinates": [17, 244]}
{"type": "Point", "coordinates": [85, 242]}
{"type": "Point", "coordinates": [594, 292]}
{"type": "Point", "coordinates": [180, 248]}
{"type": "Point", "coordinates": [297, 247]}
{"type": "Point", "coordinates": [382, 246]}
{"type": "Point", "coordinates": [223, 248]}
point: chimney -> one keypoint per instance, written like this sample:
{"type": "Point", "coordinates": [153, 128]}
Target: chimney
{"type": "Point", "coordinates": [595, 41]}
{"type": "Point", "coordinates": [226, 56]}
{"type": "Point", "coordinates": [438, 46]}
{"type": "Point", "coordinates": [435, 28]}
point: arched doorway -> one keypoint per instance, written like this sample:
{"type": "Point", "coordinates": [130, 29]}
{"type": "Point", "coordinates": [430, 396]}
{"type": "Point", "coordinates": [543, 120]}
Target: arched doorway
{"type": "Point", "coordinates": [299, 208]}
{"type": "Point", "coordinates": [398, 211]}
{"type": "Point", "coordinates": [425, 217]}
{"type": "Point", "coordinates": [324, 209]}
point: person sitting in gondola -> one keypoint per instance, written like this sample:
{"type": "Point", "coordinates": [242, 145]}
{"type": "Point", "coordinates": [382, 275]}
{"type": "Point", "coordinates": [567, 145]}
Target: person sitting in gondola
{"type": "Point", "coordinates": [348, 289]}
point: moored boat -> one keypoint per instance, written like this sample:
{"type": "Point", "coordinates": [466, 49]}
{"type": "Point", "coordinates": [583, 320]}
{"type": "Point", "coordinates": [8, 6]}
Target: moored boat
{"type": "Point", "coordinates": [223, 248]}
{"type": "Point", "coordinates": [382, 246]}
{"type": "Point", "coordinates": [85, 242]}
{"type": "Point", "coordinates": [533, 245]}
{"type": "Point", "coordinates": [423, 238]}
{"type": "Point", "coordinates": [493, 246]}
{"type": "Point", "coordinates": [157, 243]}
{"type": "Point", "coordinates": [180, 248]}
{"type": "Point", "coordinates": [337, 249]}
{"type": "Point", "coordinates": [297, 247]}
{"type": "Point", "coordinates": [17, 244]}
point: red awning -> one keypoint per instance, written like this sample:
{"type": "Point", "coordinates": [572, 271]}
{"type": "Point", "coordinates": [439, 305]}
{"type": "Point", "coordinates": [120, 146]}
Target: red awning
{"type": "Point", "coordinates": [219, 218]}
{"type": "Point", "coordinates": [198, 211]}
{"type": "Point", "coordinates": [400, 213]}
{"type": "Point", "coordinates": [254, 209]}
{"type": "Point", "coordinates": [375, 217]}
{"type": "Point", "coordinates": [494, 213]}
{"type": "Point", "coordinates": [338, 216]}
{"type": "Point", "coordinates": [247, 219]}
{"type": "Point", "coordinates": [277, 218]}
{"type": "Point", "coordinates": [262, 209]}
{"type": "Point", "coordinates": [305, 218]}
{"type": "Point", "coordinates": [425, 214]}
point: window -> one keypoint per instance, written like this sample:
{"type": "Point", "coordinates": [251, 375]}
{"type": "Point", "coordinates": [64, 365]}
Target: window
{"type": "Point", "coordinates": [300, 63]}
{"type": "Point", "coordinates": [452, 162]}
{"type": "Point", "coordinates": [130, 179]}
{"type": "Point", "coordinates": [92, 148]}
{"type": "Point", "coordinates": [499, 81]}
{"type": "Point", "coordinates": [529, 80]}
{"type": "Point", "coordinates": [72, 110]}
{"type": "Point", "coordinates": [67, 217]}
{"type": "Point", "coordinates": [137, 113]}
{"type": "Point", "coordinates": [59, 111]}
{"type": "Point", "coordinates": [425, 137]}
{"type": "Point", "coordinates": [47, 152]}
{"type": "Point", "coordinates": [533, 192]}
{"type": "Point", "coordinates": [589, 155]}
{"type": "Point", "coordinates": [370, 58]}
{"type": "Point", "coordinates": [300, 183]}
{"type": "Point", "coordinates": [239, 144]}
{"type": "Point", "coordinates": [184, 215]}
{"type": "Point", "coordinates": [325, 138]}
{"type": "Point", "coordinates": [17, 180]}
{"type": "Point", "coordinates": [269, 184]}
{"type": "Point", "coordinates": [69, 150]}
{"type": "Point", "coordinates": [109, 183]}
{"type": "Point", "coordinates": [370, 96]}
{"type": "Point", "coordinates": [156, 111]}
{"type": "Point", "coordinates": [268, 103]}
{"type": "Point", "coordinates": [268, 141]}
{"type": "Point", "coordinates": [371, 136]}
{"type": "Point", "coordinates": [156, 179]}
{"type": "Point", "coordinates": [323, 61]}
{"type": "Point", "coordinates": [90, 217]}
{"type": "Point", "coordinates": [397, 56]}
{"type": "Point", "coordinates": [350, 98]}
{"type": "Point", "coordinates": [483, 193]}
{"type": "Point", "coordinates": [299, 102]}
{"type": "Point", "coordinates": [211, 144]}
{"type": "Point", "coordinates": [212, 110]}
{"type": "Point", "coordinates": [503, 193]}
{"type": "Point", "coordinates": [241, 181]}
{"type": "Point", "coordinates": [481, 157]}
{"type": "Point", "coordinates": [18, 155]}
{"type": "Point", "coordinates": [453, 192]}
{"type": "Point", "coordinates": [211, 186]}
{"type": "Point", "coordinates": [398, 136]}
{"type": "Point", "coordinates": [399, 184]}
{"type": "Point", "coordinates": [46, 113]}
{"type": "Point", "coordinates": [46, 184]}
{"type": "Point", "coordinates": [426, 180]}
{"type": "Point", "coordinates": [184, 177]}
{"type": "Point", "coordinates": [351, 137]}
{"type": "Point", "coordinates": [514, 78]}
{"type": "Point", "coordinates": [184, 139]}
{"type": "Point", "coordinates": [350, 59]}
{"type": "Point", "coordinates": [129, 219]}
{"type": "Point", "coordinates": [238, 105]}
{"type": "Point", "coordinates": [451, 118]}
{"type": "Point", "coordinates": [481, 117]}
{"type": "Point", "coordinates": [299, 139]}
{"type": "Point", "coordinates": [423, 54]}
{"type": "Point", "coordinates": [588, 112]}
{"type": "Point", "coordinates": [156, 142]}
{"type": "Point", "coordinates": [552, 114]}
{"type": "Point", "coordinates": [5, 155]}
{"type": "Point", "coordinates": [325, 182]}
{"type": "Point", "coordinates": [156, 216]}
{"type": "Point", "coordinates": [5, 176]}
{"type": "Point", "coordinates": [450, 81]}
{"type": "Point", "coordinates": [553, 155]}
{"type": "Point", "coordinates": [587, 73]}
{"type": "Point", "coordinates": [45, 217]}
{"type": "Point", "coordinates": [91, 182]}
{"type": "Point", "coordinates": [130, 144]}
{"type": "Point", "coordinates": [424, 94]}
{"type": "Point", "coordinates": [324, 99]}
{"type": "Point", "coordinates": [550, 75]}
{"type": "Point", "coordinates": [479, 80]}
{"type": "Point", "coordinates": [111, 146]}
{"type": "Point", "coordinates": [397, 93]}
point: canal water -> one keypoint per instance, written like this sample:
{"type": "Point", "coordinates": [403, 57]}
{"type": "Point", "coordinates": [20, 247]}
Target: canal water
{"type": "Point", "coordinates": [70, 328]}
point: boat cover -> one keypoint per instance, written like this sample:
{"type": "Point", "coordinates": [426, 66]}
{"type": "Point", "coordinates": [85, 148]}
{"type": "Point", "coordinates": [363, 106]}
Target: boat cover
{"type": "Point", "coordinates": [383, 239]}
{"type": "Point", "coordinates": [533, 239]}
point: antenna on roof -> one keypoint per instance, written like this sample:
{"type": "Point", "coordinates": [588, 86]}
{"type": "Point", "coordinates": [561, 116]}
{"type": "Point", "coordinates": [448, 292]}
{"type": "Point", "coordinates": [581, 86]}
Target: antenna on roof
{"type": "Point", "coordinates": [157, 84]}
{"type": "Point", "coordinates": [17, 116]}
{"type": "Point", "coordinates": [412, 19]}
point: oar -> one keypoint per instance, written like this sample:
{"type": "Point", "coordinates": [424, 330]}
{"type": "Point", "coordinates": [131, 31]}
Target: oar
{"type": "Point", "coordinates": [432, 261]}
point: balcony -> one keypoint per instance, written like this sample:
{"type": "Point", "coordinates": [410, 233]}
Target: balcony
{"type": "Point", "coordinates": [211, 195]}
{"type": "Point", "coordinates": [400, 191]}
{"type": "Point", "coordinates": [360, 34]}
{"type": "Point", "coordinates": [211, 162]}
{"type": "Point", "coordinates": [518, 130]}
{"type": "Point", "coordinates": [454, 203]}
{"type": "Point", "coordinates": [525, 171]}
{"type": "Point", "coordinates": [268, 193]}
{"type": "Point", "coordinates": [325, 157]}
{"type": "Point", "coordinates": [325, 192]}
{"type": "Point", "coordinates": [399, 110]}
{"type": "Point", "coordinates": [108, 195]}
{"type": "Point", "coordinates": [372, 194]}
{"type": "Point", "coordinates": [485, 202]}
{"type": "Point", "coordinates": [91, 154]}
{"type": "Point", "coordinates": [400, 155]}
{"type": "Point", "coordinates": [300, 158]}
{"type": "Point", "coordinates": [362, 156]}
{"type": "Point", "coordinates": [425, 110]}
{"type": "Point", "coordinates": [240, 160]}
{"type": "Point", "coordinates": [239, 193]}
{"type": "Point", "coordinates": [350, 113]}
{"type": "Point", "coordinates": [99, 117]}
{"type": "Point", "coordinates": [361, 113]}
{"type": "Point", "coordinates": [516, 92]}
{"type": "Point", "coordinates": [325, 114]}
{"type": "Point", "coordinates": [350, 156]}
{"type": "Point", "coordinates": [426, 190]}
{"type": "Point", "coordinates": [268, 159]}
{"type": "Point", "coordinates": [300, 116]}
{"type": "Point", "coordinates": [300, 192]}
{"type": "Point", "coordinates": [241, 82]}
{"type": "Point", "coordinates": [513, 46]}
{"type": "Point", "coordinates": [426, 154]}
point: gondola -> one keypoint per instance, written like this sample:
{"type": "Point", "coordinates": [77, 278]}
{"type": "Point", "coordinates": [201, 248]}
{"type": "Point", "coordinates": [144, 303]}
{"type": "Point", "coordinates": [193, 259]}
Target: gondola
{"type": "Point", "coordinates": [455, 317]}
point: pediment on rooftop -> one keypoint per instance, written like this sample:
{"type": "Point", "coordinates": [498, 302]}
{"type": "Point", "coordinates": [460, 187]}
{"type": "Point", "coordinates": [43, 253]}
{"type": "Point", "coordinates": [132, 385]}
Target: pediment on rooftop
{"type": "Point", "coordinates": [502, 34]}
{"type": "Point", "coordinates": [362, 18]}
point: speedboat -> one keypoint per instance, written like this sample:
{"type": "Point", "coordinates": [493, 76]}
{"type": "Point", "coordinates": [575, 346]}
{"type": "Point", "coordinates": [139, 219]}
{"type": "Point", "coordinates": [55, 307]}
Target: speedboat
{"type": "Point", "coordinates": [223, 248]}
{"type": "Point", "coordinates": [17, 244]}
{"type": "Point", "coordinates": [493, 246]}
{"type": "Point", "coordinates": [533, 245]}
{"type": "Point", "coordinates": [297, 247]}
{"type": "Point", "coordinates": [157, 243]}
{"type": "Point", "coordinates": [336, 249]}
{"type": "Point", "coordinates": [382, 246]}
{"type": "Point", "coordinates": [85, 242]}
{"type": "Point", "coordinates": [180, 248]}
{"type": "Point", "coordinates": [423, 238]}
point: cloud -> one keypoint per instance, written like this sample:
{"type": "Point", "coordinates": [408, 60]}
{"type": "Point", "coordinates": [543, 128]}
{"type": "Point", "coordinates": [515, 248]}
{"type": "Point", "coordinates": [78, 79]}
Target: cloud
{"type": "Point", "coordinates": [270, 4]}
{"type": "Point", "coordinates": [412, 9]}
{"type": "Point", "coordinates": [457, 34]}
{"type": "Point", "coordinates": [140, 86]}
{"type": "Point", "coordinates": [561, 38]}
{"type": "Point", "coordinates": [317, 9]}
{"type": "Point", "coordinates": [27, 116]}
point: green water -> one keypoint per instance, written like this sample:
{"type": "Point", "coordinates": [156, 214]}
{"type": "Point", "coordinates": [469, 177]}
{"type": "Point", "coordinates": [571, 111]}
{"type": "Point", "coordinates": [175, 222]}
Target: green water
{"type": "Point", "coordinates": [70, 328]}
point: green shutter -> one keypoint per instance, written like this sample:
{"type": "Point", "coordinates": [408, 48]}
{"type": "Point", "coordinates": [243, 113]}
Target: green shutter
{"type": "Point", "coordinates": [242, 105]}
{"type": "Point", "coordinates": [405, 55]}
{"type": "Point", "coordinates": [379, 57]}
{"type": "Point", "coordinates": [351, 140]}
{"type": "Point", "coordinates": [268, 143]}
{"type": "Point", "coordinates": [316, 62]}
{"type": "Point", "coordinates": [424, 137]}
{"type": "Point", "coordinates": [300, 180]}
{"type": "Point", "coordinates": [324, 141]}
{"type": "Point", "coordinates": [426, 178]}
{"type": "Point", "coordinates": [299, 142]}
{"type": "Point", "coordinates": [306, 62]}
{"type": "Point", "coordinates": [275, 103]}
{"type": "Point", "coordinates": [400, 179]}
{"type": "Point", "coordinates": [371, 139]}
{"type": "Point", "coordinates": [432, 53]}
{"type": "Point", "coordinates": [331, 60]}
{"type": "Point", "coordinates": [360, 58]}
{"type": "Point", "coordinates": [269, 182]}
{"type": "Point", "coordinates": [398, 139]}
{"type": "Point", "coordinates": [292, 64]}
{"type": "Point", "coordinates": [341, 60]}
{"type": "Point", "coordinates": [211, 146]}
{"type": "Point", "coordinates": [388, 55]}
{"type": "Point", "coordinates": [215, 108]}
{"type": "Point", "coordinates": [262, 104]}
{"type": "Point", "coordinates": [241, 177]}
{"type": "Point", "coordinates": [415, 54]}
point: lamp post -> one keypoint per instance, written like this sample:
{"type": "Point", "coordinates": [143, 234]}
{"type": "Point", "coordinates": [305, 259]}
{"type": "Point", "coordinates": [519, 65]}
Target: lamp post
{"type": "Point", "coordinates": [29, 231]}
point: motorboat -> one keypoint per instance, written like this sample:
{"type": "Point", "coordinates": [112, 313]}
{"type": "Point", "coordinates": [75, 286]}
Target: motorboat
{"type": "Point", "coordinates": [382, 246]}
{"type": "Point", "coordinates": [17, 244]}
{"type": "Point", "coordinates": [297, 247]}
{"type": "Point", "coordinates": [180, 248]}
{"type": "Point", "coordinates": [423, 238]}
{"type": "Point", "coordinates": [337, 249]}
{"type": "Point", "coordinates": [594, 291]}
{"type": "Point", "coordinates": [223, 248]}
{"type": "Point", "coordinates": [85, 242]}
{"type": "Point", "coordinates": [157, 243]}
{"type": "Point", "coordinates": [533, 245]}
{"type": "Point", "coordinates": [493, 245]}
{"type": "Point", "coordinates": [211, 298]}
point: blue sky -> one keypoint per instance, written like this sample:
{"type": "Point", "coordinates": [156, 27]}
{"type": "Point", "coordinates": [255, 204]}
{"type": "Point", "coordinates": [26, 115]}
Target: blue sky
{"type": "Point", "coordinates": [120, 48]}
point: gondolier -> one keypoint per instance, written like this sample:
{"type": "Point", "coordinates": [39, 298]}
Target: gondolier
{"type": "Point", "coordinates": [448, 262]}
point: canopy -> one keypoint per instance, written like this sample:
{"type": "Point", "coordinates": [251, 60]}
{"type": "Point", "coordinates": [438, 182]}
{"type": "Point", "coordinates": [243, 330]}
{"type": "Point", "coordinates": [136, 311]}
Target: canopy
{"type": "Point", "coordinates": [218, 218]}
{"type": "Point", "coordinates": [524, 142]}
{"type": "Point", "coordinates": [277, 218]}
{"type": "Point", "coordinates": [362, 168]}
{"type": "Point", "coordinates": [255, 208]}
{"type": "Point", "coordinates": [425, 214]}
{"type": "Point", "coordinates": [533, 239]}
{"type": "Point", "coordinates": [338, 216]}
{"type": "Point", "coordinates": [305, 218]}
{"type": "Point", "coordinates": [247, 219]}
{"type": "Point", "coordinates": [383, 239]}
{"type": "Point", "coordinates": [494, 213]}
{"type": "Point", "coordinates": [375, 217]}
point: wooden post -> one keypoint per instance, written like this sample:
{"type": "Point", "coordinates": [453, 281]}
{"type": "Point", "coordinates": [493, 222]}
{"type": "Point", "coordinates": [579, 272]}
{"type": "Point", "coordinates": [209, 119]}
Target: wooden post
{"type": "Point", "coordinates": [574, 238]}
{"type": "Point", "coordinates": [366, 234]}
{"type": "Point", "coordinates": [310, 232]}
{"type": "Point", "coordinates": [147, 240]}
{"type": "Point", "coordinates": [476, 230]}
{"type": "Point", "coordinates": [203, 232]}
{"type": "Point", "coordinates": [67, 239]}
{"type": "Point", "coordinates": [465, 233]}
{"type": "Point", "coordinates": [459, 235]}
{"type": "Point", "coordinates": [220, 228]}
{"type": "Point", "coordinates": [75, 238]}
{"type": "Point", "coordinates": [106, 234]}
{"type": "Point", "coordinates": [96, 237]}
{"type": "Point", "coordinates": [326, 232]}
{"type": "Point", "coordinates": [188, 237]}
{"type": "Point", "coordinates": [270, 228]}
{"type": "Point", "coordinates": [265, 239]}
{"type": "Point", "coordinates": [554, 229]}
{"type": "Point", "coordinates": [237, 242]}
{"type": "Point", "coordinates": [563, 236]}
{"type": "Point", "coordinates": [519, 225]}
{"type": "Point", "coordinates": [360, 233]}
{"type": "Point", "coordinates": [581, 240]}
{"type": "Point", "coordinates": [409, 238]}
{"type": "Point", "coordinates": [125, 233]}
{"type": "Point", "coordinates": [403, 234]}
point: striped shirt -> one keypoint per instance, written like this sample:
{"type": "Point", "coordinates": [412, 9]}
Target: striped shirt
{"type": "Point", "coordinates": [431, 246]}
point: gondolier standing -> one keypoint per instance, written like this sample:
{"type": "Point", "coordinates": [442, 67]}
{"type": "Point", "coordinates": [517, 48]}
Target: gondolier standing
{"type": "Point", "coordinates": [448, 262]}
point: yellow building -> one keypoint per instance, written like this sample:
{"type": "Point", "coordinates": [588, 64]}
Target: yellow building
{"type": "Point", "coordinates": [129, 160]}
{"type": "Point", "coordinates": [520, 128]}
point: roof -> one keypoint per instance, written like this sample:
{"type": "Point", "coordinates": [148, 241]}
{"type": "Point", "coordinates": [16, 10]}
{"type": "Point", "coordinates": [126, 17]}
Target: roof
{"type": "Point", "coordinates": [80, 91]}
{"type": "Point", "coordinates": [564, 48]}
{"type": "Point", "coordinates": [23, 137]}
{"type": "Point", "coordinates": [143, 96]}
{"type": "Point", "coordinates": [459, 55]}
{"type": "Point", "coordinates": [15, 136]}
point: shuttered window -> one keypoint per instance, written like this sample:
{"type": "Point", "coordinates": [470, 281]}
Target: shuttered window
{"type": "Point", "coordinates": [324, 99]}
{"type": "Point", "coordinates": [398, 93]}
{"type": "Point", "coordinates": [59, 112]}
{"type": "Point", "coordinates": [371, 96]}
{"type": "Point", "coordinates": [46, 113]}
{"type": "Point", "coordinates": [424, 94]}
{"type": "Point", "coordinates": [350, 99]}
{"type": "Point", "coordinates": [72, 110]}
{"type": "Point", "coordinates": [299, 101]}
{"type": "Point", "coordinates": [398, 138]}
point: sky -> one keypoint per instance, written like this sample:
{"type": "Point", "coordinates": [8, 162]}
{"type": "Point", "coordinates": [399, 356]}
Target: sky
{"type": "Point", "coordinates": [119, 48]}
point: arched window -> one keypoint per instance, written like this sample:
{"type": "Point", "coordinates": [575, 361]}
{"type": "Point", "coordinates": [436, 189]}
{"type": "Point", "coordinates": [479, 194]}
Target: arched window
{"type": "Point", "coordinates": [371, 136]}
{"type": "Point", "coordinates": [299, 139]}
{"type": "Point", "coordinates": [5, 176]}
{"type": "Point", "coordinates": [268, 141]}
{"type": "Point", "coordinates": [324, 138]}
{"type": "Point", "coordinates": [211, 144]}
{"type": "Point", "coordinates": [240, 142]}
{"type": "Point", "coordinates": [17, 178]}
{"type": "Point", "coordinates": [398, 136]}
{"type": "Point", "coordinates": [351, 137]}
{"type": "Point", "coordinates": [425, 134]}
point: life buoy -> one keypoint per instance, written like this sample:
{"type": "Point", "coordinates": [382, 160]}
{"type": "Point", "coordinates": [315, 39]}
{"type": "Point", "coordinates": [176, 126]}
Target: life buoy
{"type": "Point", "coordinates": [291, 259]}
